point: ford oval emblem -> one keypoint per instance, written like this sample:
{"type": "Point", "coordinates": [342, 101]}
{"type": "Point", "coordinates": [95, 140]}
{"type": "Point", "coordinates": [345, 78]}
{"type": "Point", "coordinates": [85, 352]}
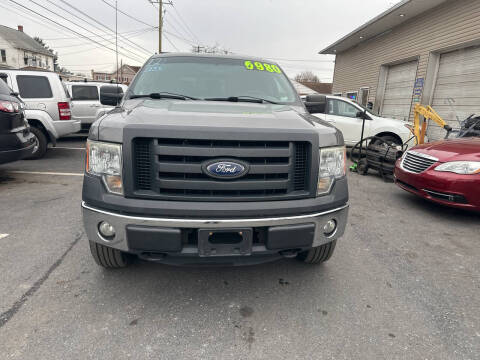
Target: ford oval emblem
{"type": "Point", "coordinates": [225, 169]}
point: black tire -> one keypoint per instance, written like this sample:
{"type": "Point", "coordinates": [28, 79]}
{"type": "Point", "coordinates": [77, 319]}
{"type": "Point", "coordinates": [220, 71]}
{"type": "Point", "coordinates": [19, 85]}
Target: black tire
{"type": "Point", "coordinates": [108, 257]}
{"type": "Point", "coordinates": [362, 167]}
{"type": "Point", "coordinates": [318, 254]}
{"type": "Point", "coordinates": [41, 144]}
{"type": "Point", "coordinates": [390, 139]}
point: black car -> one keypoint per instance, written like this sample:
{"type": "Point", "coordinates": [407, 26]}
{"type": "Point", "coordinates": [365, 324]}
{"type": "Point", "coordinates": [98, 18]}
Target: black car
{"type": "Point", "coordinates": [16, 141]}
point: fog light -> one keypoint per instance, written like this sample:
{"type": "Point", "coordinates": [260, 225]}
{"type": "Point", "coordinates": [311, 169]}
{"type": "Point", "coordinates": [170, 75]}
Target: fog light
{"type": "Point", "coordinates": [329, 227]}
{"type": "Point", "coordinates": [106, 230]}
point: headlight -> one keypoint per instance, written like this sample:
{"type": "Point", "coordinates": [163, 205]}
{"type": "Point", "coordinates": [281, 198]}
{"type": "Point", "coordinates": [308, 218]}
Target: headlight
{"type": "Point", "coordinates": [105, 160]}
{"type": "Point", "coordinates": [460, 167]}
{"type": "Point", "coordinates": [332, 165]}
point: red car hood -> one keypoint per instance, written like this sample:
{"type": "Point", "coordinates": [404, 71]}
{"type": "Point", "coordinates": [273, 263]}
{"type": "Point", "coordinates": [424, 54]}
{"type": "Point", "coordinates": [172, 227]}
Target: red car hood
{"type": "Point", "coordinates": [452, 149]}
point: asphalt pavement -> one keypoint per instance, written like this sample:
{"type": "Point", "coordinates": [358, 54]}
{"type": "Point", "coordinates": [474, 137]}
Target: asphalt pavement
{"type": "Point", "coordinates": [403, 283]}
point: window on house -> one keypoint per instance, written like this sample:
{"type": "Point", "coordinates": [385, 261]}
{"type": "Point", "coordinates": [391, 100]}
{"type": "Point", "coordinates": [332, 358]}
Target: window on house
{"type": "Point", "coordinates": [353, 95]}
{"type": "Point", "coordinates": [25, 60]}
{"type": "Point", "coordinates": [84, 92]}
{"type": "Point", "coordinates": [34, 87]}
{"type": "Point", "coordinates": [3, 53]}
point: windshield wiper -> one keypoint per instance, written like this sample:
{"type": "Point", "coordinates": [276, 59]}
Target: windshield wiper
{"type": "Point", "coordinates": [242, 98]}
{"type": "Point", "coordinates": [163, 95]}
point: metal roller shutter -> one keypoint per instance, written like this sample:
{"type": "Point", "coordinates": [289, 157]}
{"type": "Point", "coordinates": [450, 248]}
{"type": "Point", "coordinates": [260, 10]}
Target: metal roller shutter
{"type": "Point", "coordinates": [397, 100]}
{"type": "Point", "coordinates": [457, 91]}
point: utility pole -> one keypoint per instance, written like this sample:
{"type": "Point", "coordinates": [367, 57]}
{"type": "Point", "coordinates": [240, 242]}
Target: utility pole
{"type": "Point", "coordinates": [160, 25]}
{"type": "Point", "coordinates": [160, 4]}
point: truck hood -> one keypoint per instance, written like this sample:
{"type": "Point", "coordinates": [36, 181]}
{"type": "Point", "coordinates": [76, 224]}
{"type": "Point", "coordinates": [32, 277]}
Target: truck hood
{"type": "Point", "coordinates": [452, 149]}
{"type": "Point", "coordinates": [208, 115]}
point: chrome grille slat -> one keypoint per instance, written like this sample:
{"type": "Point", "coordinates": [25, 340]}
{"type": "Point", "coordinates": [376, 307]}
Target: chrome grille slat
{"type": "Point", "coordinates": [416, 163]}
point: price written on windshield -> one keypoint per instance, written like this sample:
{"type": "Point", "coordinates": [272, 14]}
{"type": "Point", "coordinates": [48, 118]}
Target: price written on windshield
{"type": "Point", "coordinates": [257, 65]}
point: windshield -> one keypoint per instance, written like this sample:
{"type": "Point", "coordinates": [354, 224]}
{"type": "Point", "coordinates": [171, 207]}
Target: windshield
{"type": "Point", "coordinates": [214, 78]}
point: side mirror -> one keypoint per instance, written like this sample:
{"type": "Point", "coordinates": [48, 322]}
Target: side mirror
{"type": "Point", "coordinates": [315, 104]}
{"type": "Point", "coordinates": [361, 114]}
{"type": "Point", "coordinates": [110, 99]}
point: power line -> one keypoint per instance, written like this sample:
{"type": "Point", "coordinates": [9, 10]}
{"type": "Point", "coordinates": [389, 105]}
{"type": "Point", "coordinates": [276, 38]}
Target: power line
{"type": "Point", "coordinates": [183, 32]}
{"type": "Point", "coordinates": [124, 33]}
{"type": "Point", "coordinates": [128, 15]}
{"type": "Point", "coordinates": [80, 26]}
{"type": "Point", "coordinates": [171, 43]}
{"type": "Point", "coordinates": [186, 26]}
{"type": "Point", "coordinates": [104, 26]}
{"type": "Point", "coordinates": [66, 27]}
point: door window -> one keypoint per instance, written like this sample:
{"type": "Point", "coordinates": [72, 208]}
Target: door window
{"type": "Point", "coordinates": [341, 108]}
{"type": "Point", "coordinates": [34, 87]}
{"type": "Point", "coordinates": [84, 93]}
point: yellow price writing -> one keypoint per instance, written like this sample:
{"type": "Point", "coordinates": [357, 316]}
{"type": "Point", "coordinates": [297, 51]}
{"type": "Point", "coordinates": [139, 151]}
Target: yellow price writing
{"type": "Point", "coordinates": [257, 65]}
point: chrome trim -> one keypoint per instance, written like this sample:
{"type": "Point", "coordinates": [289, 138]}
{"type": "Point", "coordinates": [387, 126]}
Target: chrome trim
{"type": "Point", "coordinates": [415, 153]}
{"type": "Point", "coordinates": [214, 221]}
{"type": "Point", "coordinates": [92, 216]}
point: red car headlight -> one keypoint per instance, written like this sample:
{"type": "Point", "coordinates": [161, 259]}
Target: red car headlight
{"type": "Point", "coordinates": [460, 167]}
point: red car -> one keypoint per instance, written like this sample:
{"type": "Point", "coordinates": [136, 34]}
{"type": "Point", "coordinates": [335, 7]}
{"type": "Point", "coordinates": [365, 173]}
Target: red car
{"type": "Point", "coordinates": [446, 172]}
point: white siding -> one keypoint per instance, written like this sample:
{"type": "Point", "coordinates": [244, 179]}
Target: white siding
{"type": "Point", "coordinates": [397, 99]}
{"type": "Point", "coordinates": [453, 23]}
{"type": "Point", "coordinates": [457, 91]}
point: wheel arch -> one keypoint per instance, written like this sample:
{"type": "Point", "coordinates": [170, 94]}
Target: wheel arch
{"type": "Point", "coordinates": [390, 133]}
{"type": "Point", "coordinates": [39, 125]}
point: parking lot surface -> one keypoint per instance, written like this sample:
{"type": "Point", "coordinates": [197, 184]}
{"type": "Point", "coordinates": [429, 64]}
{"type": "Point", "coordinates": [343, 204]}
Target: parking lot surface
{"type": "Point", "coordinates": [403, 283]}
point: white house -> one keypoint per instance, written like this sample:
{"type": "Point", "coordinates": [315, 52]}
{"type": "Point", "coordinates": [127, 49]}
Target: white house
{"type": "Point", "coordinates": [18, 50]}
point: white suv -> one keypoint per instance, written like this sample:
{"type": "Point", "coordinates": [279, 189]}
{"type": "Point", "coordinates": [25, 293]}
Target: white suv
{"type": "Point", "coordinates": [47, 106]}
{"type": "Point", "coordinates": [345, 115]}
{"type": "Point", "coordinates": [92, 100]}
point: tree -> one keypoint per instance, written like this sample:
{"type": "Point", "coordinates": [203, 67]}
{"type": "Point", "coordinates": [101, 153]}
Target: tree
{"type": "Point", "coordinates": [54, 54]}
{"type": "Point", "coordinates": [307, 76]}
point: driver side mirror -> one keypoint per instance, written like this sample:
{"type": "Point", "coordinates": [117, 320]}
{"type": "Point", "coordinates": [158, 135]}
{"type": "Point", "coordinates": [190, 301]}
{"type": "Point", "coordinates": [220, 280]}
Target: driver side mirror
{"type": "Point", "coordinates": [363, 115]}
{"type": "Point", "coordinates": [110, 99]}
{"type": "Point", "coordinates": [315, 104]}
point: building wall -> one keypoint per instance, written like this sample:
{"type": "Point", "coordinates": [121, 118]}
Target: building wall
{"type": "Point", "coordinates": [440, 29]}
{"type": "Point", "coordinates": [15, 57]}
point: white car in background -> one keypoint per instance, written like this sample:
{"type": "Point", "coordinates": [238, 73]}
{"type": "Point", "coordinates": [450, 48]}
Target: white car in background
{"type": "Point", "coordinates": [92, 100]}
{"type": "Point", "coordinates": [346, 115]}
{"type": "Point", "coordinates": [48, 108]}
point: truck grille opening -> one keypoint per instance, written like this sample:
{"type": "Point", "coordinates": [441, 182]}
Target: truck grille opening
{"type": "Point", "coordinates": [172, 169]}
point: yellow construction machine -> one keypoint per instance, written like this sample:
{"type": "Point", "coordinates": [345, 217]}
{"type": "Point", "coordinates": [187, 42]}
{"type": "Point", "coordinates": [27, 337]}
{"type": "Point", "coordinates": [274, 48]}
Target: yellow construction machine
{"type": "Point", "coordinates": [420, 127]}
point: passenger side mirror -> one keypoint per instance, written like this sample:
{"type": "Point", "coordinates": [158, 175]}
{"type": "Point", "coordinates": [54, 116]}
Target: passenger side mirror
{"type": "Point", "coordinates": [315, 104]}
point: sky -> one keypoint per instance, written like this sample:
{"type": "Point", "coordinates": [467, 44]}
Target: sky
{"type": "Point", "coordinates": [291, 32]}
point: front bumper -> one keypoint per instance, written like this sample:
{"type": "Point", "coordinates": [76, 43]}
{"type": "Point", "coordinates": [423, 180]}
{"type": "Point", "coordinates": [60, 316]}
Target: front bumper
{"type": "Point", "coordinates": [67, 127]}
{"type": "Point", "coordinates": [460, 191]}
{"type": "Point", "coordinates": [189, 251]}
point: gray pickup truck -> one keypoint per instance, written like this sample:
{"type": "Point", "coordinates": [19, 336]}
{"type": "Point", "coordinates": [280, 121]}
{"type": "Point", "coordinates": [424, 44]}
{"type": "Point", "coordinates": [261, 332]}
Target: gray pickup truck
{"type": "Point", "coordinates": [213, 160]}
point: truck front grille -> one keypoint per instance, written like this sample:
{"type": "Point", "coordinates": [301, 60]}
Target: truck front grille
{"type": "Point", "coordinates": [172, 169]}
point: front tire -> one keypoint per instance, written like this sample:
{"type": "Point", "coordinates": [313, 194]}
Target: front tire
{"type": "Point", "coordinates": [318, 254]}
{"type": "Point", "coordinates": [108, 257]}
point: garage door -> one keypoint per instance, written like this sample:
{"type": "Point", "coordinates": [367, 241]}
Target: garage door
{"type": "Point", "coordinates": [397, 100]}
{"type": "Point", "coordinates": [457, 91]}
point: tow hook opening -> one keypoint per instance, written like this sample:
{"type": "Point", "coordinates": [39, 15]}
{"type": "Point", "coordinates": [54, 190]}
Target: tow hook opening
{"type": "Point", "coordinates": [153, 256]}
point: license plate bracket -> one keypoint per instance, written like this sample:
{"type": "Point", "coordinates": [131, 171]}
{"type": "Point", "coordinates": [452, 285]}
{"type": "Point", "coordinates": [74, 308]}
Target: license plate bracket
{"type": "Point", "coordinates": [225, 242]}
